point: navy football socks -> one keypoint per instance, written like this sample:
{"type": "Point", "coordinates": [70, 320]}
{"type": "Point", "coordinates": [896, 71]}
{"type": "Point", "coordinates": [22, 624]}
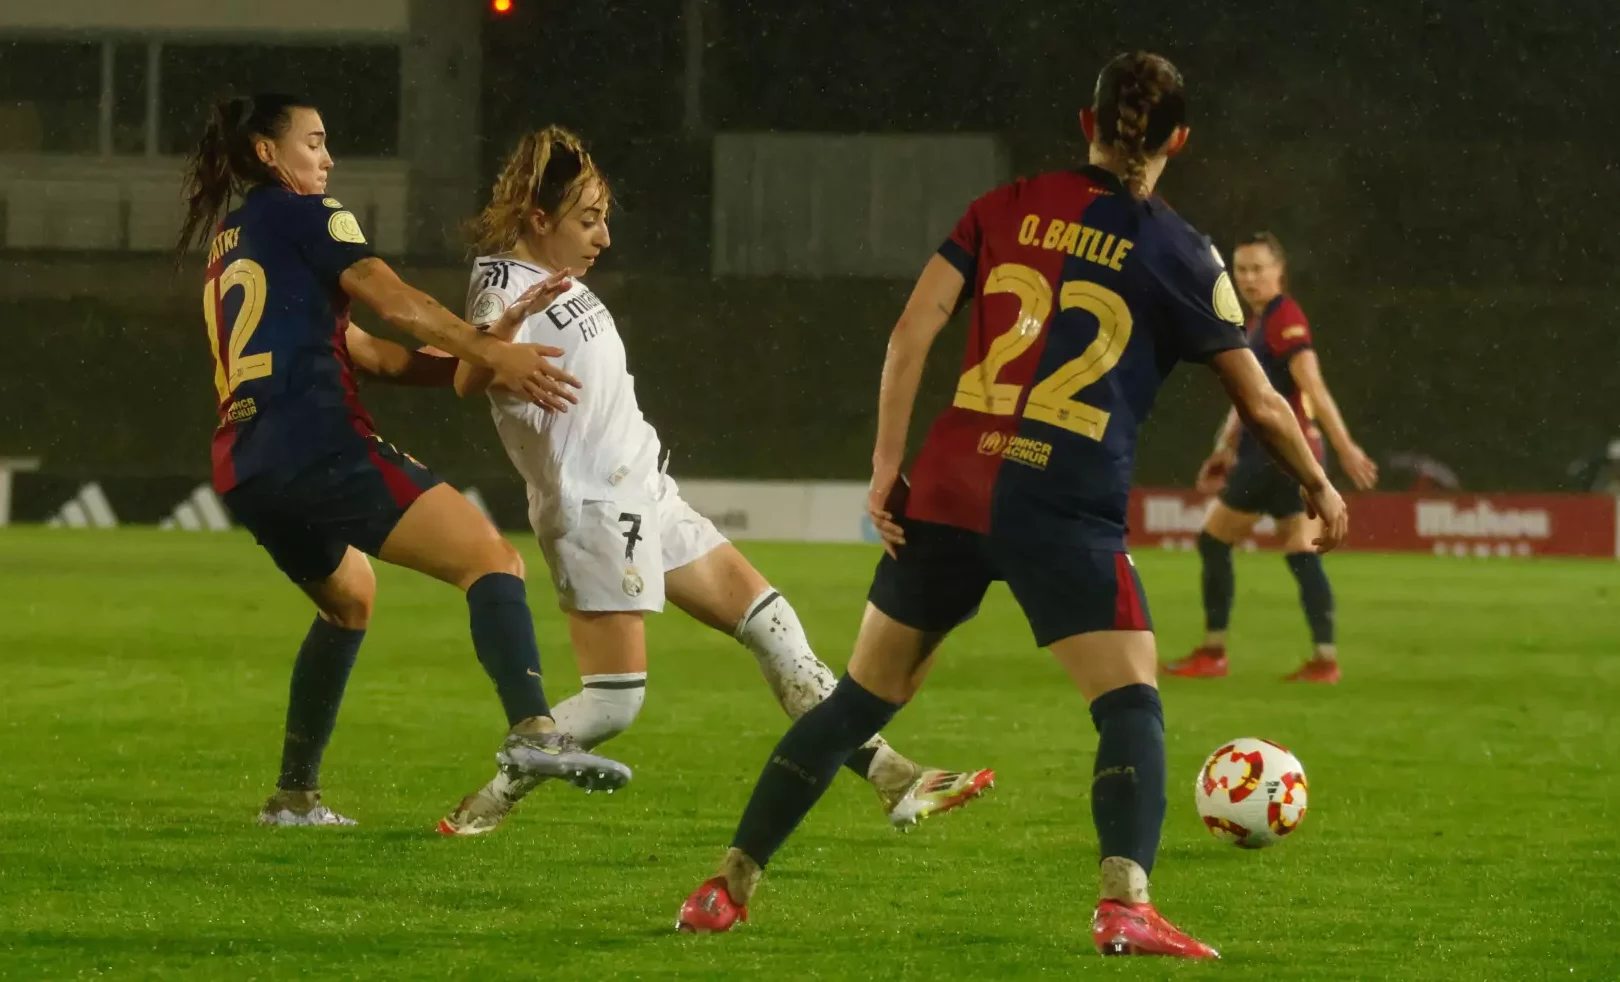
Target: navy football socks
{"type": "Point", "coordinates": [860, 761]}
{"type": "Point", "coordinates": [805, 762]}
{"type": "Point", "coordinates": [1315, 594]}
{"type": "Point", "coordinates": [1220, 582]}
{"type": "Point", "coordinates": [318, 679]}
{"type": "Point", "coordinates": [503, 635]}
{"type": "Point", "coordinates": [1127, 780]}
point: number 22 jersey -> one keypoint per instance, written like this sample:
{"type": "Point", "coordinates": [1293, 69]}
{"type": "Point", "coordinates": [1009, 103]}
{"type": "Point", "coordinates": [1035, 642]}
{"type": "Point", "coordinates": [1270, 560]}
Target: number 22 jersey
{"type": "Point", "coordinates": [1085, 298]}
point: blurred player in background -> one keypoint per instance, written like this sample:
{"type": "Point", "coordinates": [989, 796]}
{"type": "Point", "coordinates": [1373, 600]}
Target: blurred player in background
{"type": "Point", "coordinates": [617, 536]}
{"type": "Point", "coordinates": [1087, 291]}
{"type": "Point", "coordinates": [296, 458]}
{"type": "Point", "coordinates": [1250, 482]}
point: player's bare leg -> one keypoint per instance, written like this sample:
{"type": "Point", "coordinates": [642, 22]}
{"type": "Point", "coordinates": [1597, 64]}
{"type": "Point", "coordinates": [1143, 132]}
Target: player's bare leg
{"type": "Point", "coordinates": [723, 590]}
{"type": "Point", "coordinates": [1298, 534]}
{"type": "Point", "coordinates": [344, 600]}
{"type": "Point", "coordinates": [445, 536]}
{"type": "Point", "coordinates": [1115, 671]}
{"type": "Point", "coordinates": [888, 666]}
{"type": "Point", "coordinates": [610, 648]}
{"type": "Point", "coordinates": [1223, 528]}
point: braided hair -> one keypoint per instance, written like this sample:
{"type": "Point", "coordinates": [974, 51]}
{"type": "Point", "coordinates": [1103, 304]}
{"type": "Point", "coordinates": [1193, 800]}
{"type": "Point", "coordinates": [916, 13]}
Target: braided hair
{"type": "Point", "coordinates": [1140, 100]}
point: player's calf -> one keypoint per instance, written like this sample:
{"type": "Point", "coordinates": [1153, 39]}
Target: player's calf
{"type": "Point", "coordinates": [604, 707]}
{"type": "Point", "coordinates": [906, 791]}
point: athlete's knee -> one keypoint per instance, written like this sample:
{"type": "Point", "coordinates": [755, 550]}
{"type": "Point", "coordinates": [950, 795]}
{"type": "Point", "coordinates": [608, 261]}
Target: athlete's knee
{"type": "Point", "coordinates": [498, 555]}
{"type": "Point", "coordinates": [1212, 548]}
{"type": "Point", "coordinates": [509, 559]}
{"type": "Point", "coordinates": [350, 608]}
{"type": "Point", "coordinates": [344, 599]}
{"type": "Point", "coordinates": [1296, 534]}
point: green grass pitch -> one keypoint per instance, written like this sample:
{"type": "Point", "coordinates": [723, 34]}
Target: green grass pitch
{"type": "Point", "coordinates": [1465, 786]}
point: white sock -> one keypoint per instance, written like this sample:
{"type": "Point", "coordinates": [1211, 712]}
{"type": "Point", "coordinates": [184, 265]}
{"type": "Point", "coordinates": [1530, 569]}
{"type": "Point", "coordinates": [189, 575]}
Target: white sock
{"type": "Point", "coordinates": [771, 630]}
{"type": "Point", "coordinates": [603, 708]}
{"type": "Point", "coordinates": [598, 712]}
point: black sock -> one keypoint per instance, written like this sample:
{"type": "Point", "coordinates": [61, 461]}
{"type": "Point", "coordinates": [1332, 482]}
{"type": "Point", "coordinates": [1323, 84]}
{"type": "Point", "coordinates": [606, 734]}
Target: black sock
{"type": "Point", "coordinates": [860, 761]}
{"type": "Point", "coordinates": [503, 634]}
{"type": "Point", "coordinates": [1127, 781]}
{"type": "Point", "coordinates": [318, 677]}
{"type": "Point", "coordinates": [1315, 594]}
{"type": "Point", "coordinates": [804, 764]}
{"type": "Point", "coordinates": [1220, 582]}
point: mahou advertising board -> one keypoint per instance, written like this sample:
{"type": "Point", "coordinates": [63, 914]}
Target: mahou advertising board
{"type": "Point", "coordinates": [1482, 525]}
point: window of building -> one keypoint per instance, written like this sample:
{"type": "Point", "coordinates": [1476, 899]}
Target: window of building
{"type": "Point", "coordinates": [50, 96]}
{"type": "Point", "coordinates": [129, 97]}
{"type": "Point", "coordinates": [356, 87]}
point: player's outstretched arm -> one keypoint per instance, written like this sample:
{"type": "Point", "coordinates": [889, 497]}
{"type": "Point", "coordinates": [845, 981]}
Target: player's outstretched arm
{"type": "Point", "coordinates": [932, 302]}
{"type": "Point", "coordinates": [473, 379]}
{"type": "Point", "coordinates": [520, 367]}
{"type": "Point", "coordinates": [1307, 373]}
{"type": "Point", "coordinates": [1271, 419]}
{"type": "Point", "coordinates": [396, 363]}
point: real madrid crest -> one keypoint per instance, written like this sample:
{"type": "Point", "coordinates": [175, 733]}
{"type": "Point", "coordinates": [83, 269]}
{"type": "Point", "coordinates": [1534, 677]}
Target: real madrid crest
{"type": "Point", "coordinates": [632, 583]}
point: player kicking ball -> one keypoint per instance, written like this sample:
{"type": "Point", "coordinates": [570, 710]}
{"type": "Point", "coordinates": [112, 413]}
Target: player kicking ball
{"type": "Point", "coordinates": [1087, 290]}
{"type": "Point", "coordinates": [617, 536]}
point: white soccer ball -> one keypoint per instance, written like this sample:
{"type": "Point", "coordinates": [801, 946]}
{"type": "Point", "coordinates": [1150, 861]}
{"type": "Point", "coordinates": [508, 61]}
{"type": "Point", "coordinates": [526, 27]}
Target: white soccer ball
{"type": "Point", "coordinates": [1251, 793]}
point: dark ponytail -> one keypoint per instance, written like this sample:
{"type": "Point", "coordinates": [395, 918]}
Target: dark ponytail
{"type": "Point", "coordinates": [225, 162]}
{"type": "Point", "coordinates": [1140, 101]}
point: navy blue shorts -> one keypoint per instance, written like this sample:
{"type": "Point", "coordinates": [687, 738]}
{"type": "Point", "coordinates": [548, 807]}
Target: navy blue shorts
{"type": "Point", "coordinates": [1257, 486]}
{"type": "Point", "coordinates": [307, 518]}
{"type": "Point", "coordinates": [1064, 587]}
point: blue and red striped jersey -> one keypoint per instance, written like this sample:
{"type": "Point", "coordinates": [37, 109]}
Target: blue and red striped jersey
{"type": "Point", "coordinates": [277, 324]}
{"type": "Point", "coordinates": [1084, 299]}
{"type": "Point", "coordinates": [1276, 334]}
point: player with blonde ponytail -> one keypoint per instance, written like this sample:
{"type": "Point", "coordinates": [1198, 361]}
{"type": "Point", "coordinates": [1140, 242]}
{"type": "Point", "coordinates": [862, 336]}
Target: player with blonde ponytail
{"type": "Point", "coordinates": [617, 536]}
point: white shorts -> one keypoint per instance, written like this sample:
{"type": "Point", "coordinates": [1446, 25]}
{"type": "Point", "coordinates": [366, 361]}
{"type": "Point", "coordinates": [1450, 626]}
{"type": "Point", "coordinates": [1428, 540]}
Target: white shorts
{"type": "Point", "coordinates": [614, 553]}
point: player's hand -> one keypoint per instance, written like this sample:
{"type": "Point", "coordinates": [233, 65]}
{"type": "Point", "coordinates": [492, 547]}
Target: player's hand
{"type": "Point", "coordinates": [879, 501]}
{"type": "Point", "coordinates": [1360, 468]}
{"type": "Point", "coordinates": [535, 298]}
{"type": "Point", "coordinates": [525, 370]}
{"type": "Point", "coordinates": [1325, 503]}
{"type": "Point", "coordinates": [1212, 475]}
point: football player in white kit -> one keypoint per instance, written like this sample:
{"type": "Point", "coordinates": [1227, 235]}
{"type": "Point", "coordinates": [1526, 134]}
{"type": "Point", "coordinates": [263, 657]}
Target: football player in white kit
{"type": "Point", "coordinates": [617, 536]}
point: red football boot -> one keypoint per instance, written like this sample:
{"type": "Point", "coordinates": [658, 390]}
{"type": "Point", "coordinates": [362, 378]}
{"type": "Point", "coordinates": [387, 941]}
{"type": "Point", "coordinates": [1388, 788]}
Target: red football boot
{"type": "Point", "coordinates": [1322, 671]}
{"type": "Point", "coordinates": [1203, 663]}
{"type": "Point", "coordinates": [1119, 928]}
{"type": "Point", "coordinates": [710, 909]}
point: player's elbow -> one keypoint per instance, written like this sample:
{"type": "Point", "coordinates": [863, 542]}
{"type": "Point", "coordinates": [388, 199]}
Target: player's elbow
{"type": "Point", "coordinates": [1269, 412]}
{"type": "Point", "coordinates": [912, 336]}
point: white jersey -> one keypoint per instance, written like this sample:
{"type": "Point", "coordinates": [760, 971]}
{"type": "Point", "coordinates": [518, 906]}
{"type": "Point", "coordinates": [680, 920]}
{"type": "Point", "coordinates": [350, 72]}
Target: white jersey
{"type": "Point", "coordinates": [601, 448]}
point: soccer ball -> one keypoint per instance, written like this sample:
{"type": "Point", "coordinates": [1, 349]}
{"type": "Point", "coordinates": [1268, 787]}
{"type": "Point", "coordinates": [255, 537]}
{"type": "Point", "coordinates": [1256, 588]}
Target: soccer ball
{"type": "Point", "coordinates": [1251, 793]}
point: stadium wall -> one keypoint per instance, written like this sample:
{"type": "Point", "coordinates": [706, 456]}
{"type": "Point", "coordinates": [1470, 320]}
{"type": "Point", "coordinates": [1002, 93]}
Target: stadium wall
{"type": "Point", "coordinates": [1500, 526]}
